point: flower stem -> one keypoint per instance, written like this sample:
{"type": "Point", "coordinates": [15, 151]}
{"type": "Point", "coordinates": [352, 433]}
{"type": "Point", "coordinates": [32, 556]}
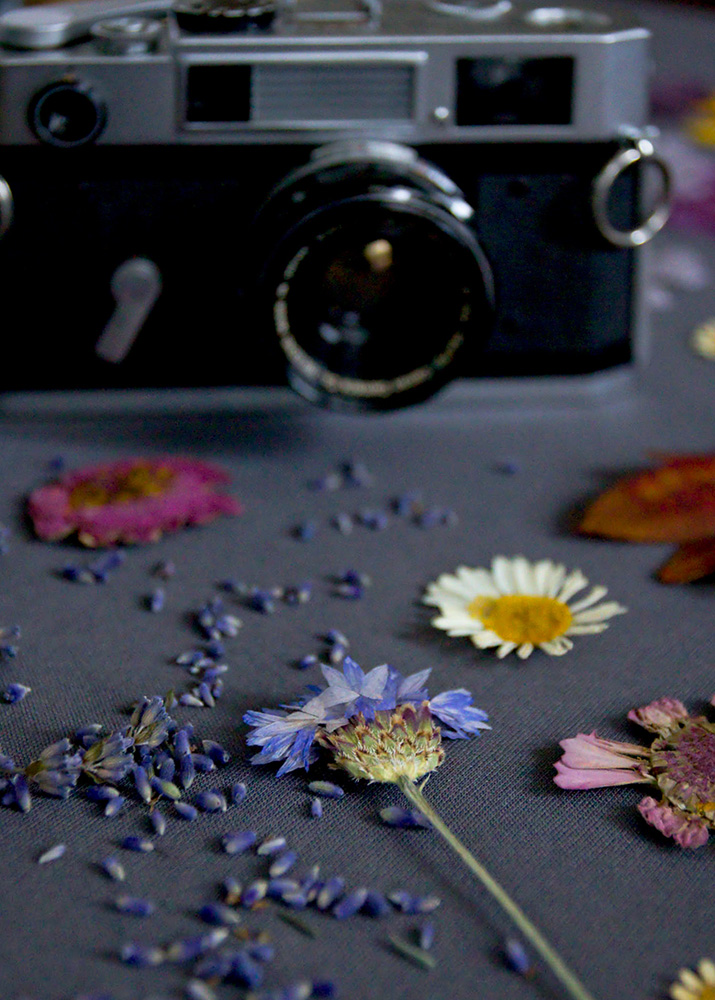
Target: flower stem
{"type": "Point", "coordinates": [530, 932]}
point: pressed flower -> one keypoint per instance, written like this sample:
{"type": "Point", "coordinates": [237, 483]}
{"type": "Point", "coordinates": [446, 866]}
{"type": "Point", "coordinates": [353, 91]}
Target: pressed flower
{"type": "Point", "coordinates": [518, 605]}
{"type": "Point", "coordinates": [703, 339]}
{"type": "Point", "coordinates": [698, 985]}
{"type": "Point", "coordinates": [130, 501]}
{"type": "Point", "coordinates": [399, 742]}
{"type": "Point", "coordinates": [679, 765]}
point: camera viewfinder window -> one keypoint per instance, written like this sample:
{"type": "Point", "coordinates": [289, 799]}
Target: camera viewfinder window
{"type": "Point", "coordinates": [495, 91]}
{"type": "Point", "coordinates": [218, 93]}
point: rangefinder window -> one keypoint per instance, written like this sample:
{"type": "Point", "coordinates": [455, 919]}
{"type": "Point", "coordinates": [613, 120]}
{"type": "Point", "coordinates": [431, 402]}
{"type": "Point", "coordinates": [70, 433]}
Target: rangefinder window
{"type": "Point", "coordinates": [218, 93]}
{"type": "Point", "coordinates": [493, 91]}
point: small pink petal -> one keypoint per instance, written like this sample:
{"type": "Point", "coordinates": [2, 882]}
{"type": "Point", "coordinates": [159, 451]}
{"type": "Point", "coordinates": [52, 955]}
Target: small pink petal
{"type": "Point", "coordinates": [583, 751]}
{"type": "Point", "coordinates": [687, 831]}
{"type": "Point", "coordinates": [660, 714]}
{"type": "Point", "coordinates": [575, 779]}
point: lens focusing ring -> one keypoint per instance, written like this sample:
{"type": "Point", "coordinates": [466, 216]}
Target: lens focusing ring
{"type": "Point", "coordinates": [373, 277]}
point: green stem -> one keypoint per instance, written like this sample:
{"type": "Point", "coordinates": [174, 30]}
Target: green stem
{"type": "Point", "coordinates": [532, 935]}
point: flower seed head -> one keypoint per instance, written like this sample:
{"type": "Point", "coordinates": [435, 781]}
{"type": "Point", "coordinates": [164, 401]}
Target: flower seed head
{"type": "Point", "coordinates": [403, 743]}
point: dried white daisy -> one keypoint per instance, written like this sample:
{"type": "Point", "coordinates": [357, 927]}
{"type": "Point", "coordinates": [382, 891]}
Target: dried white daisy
{"type": "Point", "coordinates": [703, 339]}
{"type": "Point", "coordinates": [695, 986]}
{"type": "Point", "coordinates": [519, 605]}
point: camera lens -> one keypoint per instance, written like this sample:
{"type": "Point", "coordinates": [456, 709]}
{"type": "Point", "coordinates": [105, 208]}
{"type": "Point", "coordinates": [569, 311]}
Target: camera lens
{"type": "Point", "coordinates": [376, 282]}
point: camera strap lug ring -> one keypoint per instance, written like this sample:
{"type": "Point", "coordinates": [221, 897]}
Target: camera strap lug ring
{"type": "Point", "coordinates": [5, 206]}
{"type": "Point", "coordinates": [642, 150]}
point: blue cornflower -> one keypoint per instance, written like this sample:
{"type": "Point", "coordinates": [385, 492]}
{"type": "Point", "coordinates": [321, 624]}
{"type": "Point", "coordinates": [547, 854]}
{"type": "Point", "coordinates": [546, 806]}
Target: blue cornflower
{"type": "Point", "coordinates": [107, 759]}
{"type": "Point", "coordinates": [289, 736]}
{"type": "Point", "coordinates": [356, 691]}
{"type": "Point", "coordinates": [57, 769]}
{"type": "Point", "coordinates": [150, 723]}
{"type": "Point", "coordinates": [454, 710]}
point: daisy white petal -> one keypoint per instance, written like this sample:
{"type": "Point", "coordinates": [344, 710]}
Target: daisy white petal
{"type": "Point", "coordinates": [595, 595]}
{"type": "Point", "coordinates": [706, 970]}
{"type": "Point", "coordinates": [518, 605]}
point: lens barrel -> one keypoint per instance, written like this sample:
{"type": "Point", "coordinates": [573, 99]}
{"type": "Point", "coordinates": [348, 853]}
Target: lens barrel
{"type": "Point", "coordinates": [373, 275]}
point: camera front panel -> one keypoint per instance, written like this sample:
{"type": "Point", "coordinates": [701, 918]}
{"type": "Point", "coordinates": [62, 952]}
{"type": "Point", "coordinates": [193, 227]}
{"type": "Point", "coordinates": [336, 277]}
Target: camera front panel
{"type": "Point", "coordinates": [564, 297]}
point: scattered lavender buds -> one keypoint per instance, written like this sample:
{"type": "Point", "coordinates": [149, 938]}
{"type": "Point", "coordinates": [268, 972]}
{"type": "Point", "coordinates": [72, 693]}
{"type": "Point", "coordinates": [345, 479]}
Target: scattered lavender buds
{"type": "Point", "coordinates": [238, 843]}
{"type": "Point", "coordinates": [186, 811]}
{"type": "Point", "coordinates": [282, 864]}
{"type": "Point", "coordinates": [219, 914]}
{"type": "Point", "coordinates": [113, 869]}
{"type": "Point", "coordinates": [403, 817]}
{"type": "Point", "coordinates": [139, 844]}
{"type": "Point", "coordinates": [134, 906]}
{"type": "Point", "coordinates": [272, 845]}
{"type": "Point", "coordinates": [316, 808]}
{"type": "Point", "coordinates": [53, 854]}
{"type": "Point", "coordinates": [516, 957]}
{"type": "Point", "coordinates": [156, 600]}
{"type": "Point", "coordinates": [113, 806]}
{"type": "Point", "coordinates": [350, 904]}
{"type": "Point", "coordinates": [140, 955]}
{"type": "Point", "coordinates": [326, 789]}
{"type": "Point", "coordinates": [238, 793]}
{"type": "Point", "coordinates": [14, 693]}
{"type": "Point", "coordinates": [211, 801]}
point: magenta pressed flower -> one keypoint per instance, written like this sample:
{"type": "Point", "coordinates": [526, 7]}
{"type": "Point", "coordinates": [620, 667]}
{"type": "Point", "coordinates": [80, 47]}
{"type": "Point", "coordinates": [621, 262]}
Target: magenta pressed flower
{"type": "Point", "coordinates": [130, 501]}
{"type": "Point", "coordinates": [679, 764]}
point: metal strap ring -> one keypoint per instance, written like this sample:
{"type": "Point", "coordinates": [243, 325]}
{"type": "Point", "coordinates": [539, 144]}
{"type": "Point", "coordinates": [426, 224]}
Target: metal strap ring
{"type": "Point", "coordinates": [641, 150]}
{"type": "Point", "coordinates": [5, 206]}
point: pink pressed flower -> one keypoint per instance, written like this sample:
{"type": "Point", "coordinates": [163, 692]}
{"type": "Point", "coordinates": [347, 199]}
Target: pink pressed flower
{"type": "Point", "coordinates": [686, 830]}
{"type": "Point", "coordinates": [660, 714]}
{"type": "Point", "coordinates": [680, 762]}
{"type": "Point", "coordinates": [130, 501]}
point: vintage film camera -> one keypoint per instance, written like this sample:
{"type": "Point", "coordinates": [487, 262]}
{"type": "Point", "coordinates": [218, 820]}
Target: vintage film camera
{"type": "Point", "coordinates": [369, 200]}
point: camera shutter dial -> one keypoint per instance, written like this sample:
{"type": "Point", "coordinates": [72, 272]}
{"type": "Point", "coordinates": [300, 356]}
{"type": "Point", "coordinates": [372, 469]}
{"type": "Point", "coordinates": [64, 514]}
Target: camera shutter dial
{"type": "Point", "coordinates": [66, 114]}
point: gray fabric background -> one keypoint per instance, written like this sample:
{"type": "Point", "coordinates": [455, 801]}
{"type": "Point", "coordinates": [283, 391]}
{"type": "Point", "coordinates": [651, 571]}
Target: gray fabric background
{"type": "Point", "coordinates": [625, 908]}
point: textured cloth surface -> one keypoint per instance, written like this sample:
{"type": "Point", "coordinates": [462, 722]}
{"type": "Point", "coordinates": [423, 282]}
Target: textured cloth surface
{"type": "Point", "coordinates": [624, 907]}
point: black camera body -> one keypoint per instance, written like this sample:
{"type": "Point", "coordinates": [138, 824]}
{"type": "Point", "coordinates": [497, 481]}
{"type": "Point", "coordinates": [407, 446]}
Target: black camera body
{"type": "Point", "coordinates": [366, 201]}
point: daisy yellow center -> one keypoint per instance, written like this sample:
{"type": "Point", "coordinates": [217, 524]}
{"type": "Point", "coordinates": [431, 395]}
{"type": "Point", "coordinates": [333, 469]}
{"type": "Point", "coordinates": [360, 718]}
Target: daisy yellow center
{"type": "Point", "coordinates": [707, 992]}
{"type": "Point", "coordinates": [141, 481]}
{"type": "Point", "coordinates": [522, 617]}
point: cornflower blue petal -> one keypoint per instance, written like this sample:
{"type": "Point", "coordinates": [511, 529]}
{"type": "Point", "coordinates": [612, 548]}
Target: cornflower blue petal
{"type": "Point", "coordinates": [354, 675]}
{"type": "Point", "coordinates": [454, 709]}
{"type": "Point", "coordinates": [412, 688]}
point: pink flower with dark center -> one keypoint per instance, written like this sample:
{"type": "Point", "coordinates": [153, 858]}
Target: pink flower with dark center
{"type": "Point", "coordinates": [680, 764]}
{"type": "Point", "coordinates": [131, 501]}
